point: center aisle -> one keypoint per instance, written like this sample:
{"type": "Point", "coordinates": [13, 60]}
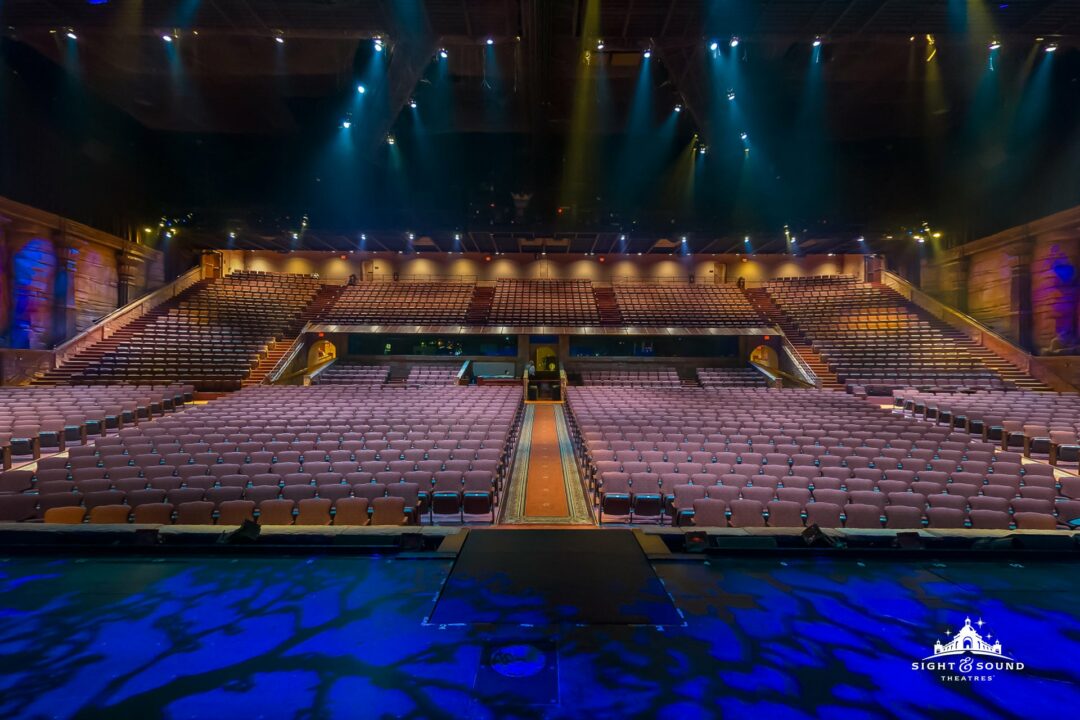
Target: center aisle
{"type": "Point", "coordinates": [545, 487]}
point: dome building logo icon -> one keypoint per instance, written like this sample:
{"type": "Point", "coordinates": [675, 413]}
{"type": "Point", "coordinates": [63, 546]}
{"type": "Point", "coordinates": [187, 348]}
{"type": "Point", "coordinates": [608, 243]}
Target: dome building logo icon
{"type": "Point", "coordinates": [969, 655]}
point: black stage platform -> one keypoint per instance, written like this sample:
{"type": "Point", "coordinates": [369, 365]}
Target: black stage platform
{"type": "Point", "coordinates": [549, 577]}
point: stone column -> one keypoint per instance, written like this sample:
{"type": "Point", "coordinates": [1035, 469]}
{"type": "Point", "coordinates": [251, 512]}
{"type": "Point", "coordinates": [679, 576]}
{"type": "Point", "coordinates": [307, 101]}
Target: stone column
{"type": "Point", "coordinates": [5, 284]}
{"type": "Point", "coordinates": [64, 312]}
{"type": "Point", "coordinates": [1020, 315]}
{"type": "Point", "coordinates": [954, 290]}
{"type": "Point", "coordinates": [126, 267]}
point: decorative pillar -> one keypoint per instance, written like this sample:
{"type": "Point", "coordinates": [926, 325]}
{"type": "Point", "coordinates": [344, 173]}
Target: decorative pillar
{"type": "Point", "coordinates": [5, 284]}
{"type": "Point", "coordinates": [64, 311]}
{"type": "Point", "coordinates": [1020, 315]}
{"type": "Point", "coordinates": [954, 289]}
{"type": "Point", "coordinates": [126, 267]}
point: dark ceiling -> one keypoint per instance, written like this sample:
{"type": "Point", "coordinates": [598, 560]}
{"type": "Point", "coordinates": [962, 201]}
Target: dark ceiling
{"type": "Point", "coordinates": [228, 113]}
{"type": "Point", "coordinates": [236, 70]}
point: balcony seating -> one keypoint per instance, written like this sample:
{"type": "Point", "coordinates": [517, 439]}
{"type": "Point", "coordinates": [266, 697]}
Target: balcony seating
{"type": "Point", "coordinates": [682, 304]}
{"type": "Point", "coordinates": [871, 337]}
{"type": "Point", "coordinates": [211, 339]}
{"type": "Point", "coordinates": [406, 302]}
{"type": "Point", "coordinates": [544, 302]}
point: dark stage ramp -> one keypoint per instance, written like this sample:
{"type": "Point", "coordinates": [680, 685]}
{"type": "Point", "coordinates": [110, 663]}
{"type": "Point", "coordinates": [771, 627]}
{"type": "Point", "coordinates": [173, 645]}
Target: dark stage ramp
{"type": "Point", "coordinates": [539, 577]}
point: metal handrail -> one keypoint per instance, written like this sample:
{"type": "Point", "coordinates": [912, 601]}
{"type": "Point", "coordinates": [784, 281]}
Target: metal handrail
{"type": "Point", "coordinates": [275, 373]}
{"type": "Point", "coordinates": [809, 376]}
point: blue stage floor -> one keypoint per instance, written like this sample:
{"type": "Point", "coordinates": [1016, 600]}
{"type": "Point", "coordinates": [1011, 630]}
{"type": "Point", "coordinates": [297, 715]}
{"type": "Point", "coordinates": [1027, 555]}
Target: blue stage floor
{"type": "Point", "coordinates": [343, 637]}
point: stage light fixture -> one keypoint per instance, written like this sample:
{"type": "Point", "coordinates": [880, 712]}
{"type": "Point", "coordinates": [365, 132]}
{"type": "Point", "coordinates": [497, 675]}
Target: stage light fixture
{"type": "Point", "coordinates": [296, 236]}
{"type": "Point", "coordinates": [734, 41]}
{"type": "Point", "coordinates": [232, 234]}
{"type": "Point", "coordinates": [861, 239]}
{"type": "Point", "coordinates": [390, 140]}
{"type": "Point", "coordinates": [599, 44]}
{"type": "Point", "coordinates": [1052, 47]}
{"type": "Point", "coordinates": [490, 41]}
{"type": "Point", "coordinates": [678, 107]}
{"type": "Point", "coordinates": [378, 45]}
{"type": "Point", "coordinates": [731, 95]}
{"type": "Point", "coordinates": [683, 239]}
{"type": "Point", "coordinates": [443, 54]}
{"type": "Point", "coordinates": [995, 44]}
{"type": "Point", "coordinates": [361, 89]}
{"type": "Point", "coordinates": [647, 54]}
{"type": "Point", "coordinates": [412, 103]}
{"type": "Point", "coordinates": [346, 123]}
{"type": "Point", "coordinates": [714, 46]}
{"type": "Point", "coordinates": [703, 149]}
{"type": "Point", "coordinates": [71, 35]}
{"type": "Point", "coordinates": [412, 236]}
{"type": "Point", "coordinates": [817, 41]}
{"type": "Point", "coordinates": [167, 38]}
{"type": "Point", "coordinates": [743, 136]}
{"type": "Point", "coordinates": [279, 40]}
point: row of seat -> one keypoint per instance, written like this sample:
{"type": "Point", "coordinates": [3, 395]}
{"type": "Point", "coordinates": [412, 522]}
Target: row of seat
{"type": "Point", "coordinates": [350, 511]}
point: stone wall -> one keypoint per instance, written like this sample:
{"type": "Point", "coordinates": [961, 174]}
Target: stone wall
{"type": "Point", "coordinates": [58, 277]}
{"type": "Point", "coordinates": [1023, 283]}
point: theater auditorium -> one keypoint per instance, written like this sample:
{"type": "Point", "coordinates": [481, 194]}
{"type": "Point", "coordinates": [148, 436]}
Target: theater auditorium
{"type": "Point", "coordinates": [539, 359]}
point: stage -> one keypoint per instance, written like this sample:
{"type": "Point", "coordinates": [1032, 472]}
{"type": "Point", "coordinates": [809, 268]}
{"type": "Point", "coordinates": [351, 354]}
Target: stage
{"type": "Point", "coordinates": [230, 633]}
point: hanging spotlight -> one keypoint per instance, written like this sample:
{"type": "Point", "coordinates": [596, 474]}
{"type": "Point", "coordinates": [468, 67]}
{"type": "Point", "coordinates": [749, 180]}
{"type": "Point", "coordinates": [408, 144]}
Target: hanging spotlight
{"type": "Point", "coordinates": [378, 44]}
{"type": "Point", "coordinates": [346, 123]}
{"type": "Point", "coordinates": [490, 41]}
{"type": "Point", "coordinates": [599, 44]}
{"type": "Point", "coordinates": [817, 41]}
{"type": "Point", "coordinates": [743, 136]}
{"type": "Point", "coordinates": [678, 107]}
{"type": "Point", "coordinates": [390, 140]}
{"type": "Point", "coordinates": [296, 236]}
{"type": "Point", "coordinates": [647, 54]}
{"type": "Point", "coordinates": [995, 44]}
{"type": "Point", "coordinates": [703, 149]}
{"type": "Point", "coordinates": [412, 103]}
{"type": "Point", "coordinates": [167, 38]}
{"type": "Point", "coordinates": [443, 54]}
{"type": "Point", "coordinates": [279, 40]}
{"type": "Point", "coordinates": [361, 89]}
{"type": "Point", "coordinates": [71, 35]}
{"type": "Point", "coordinates": [1052, 47]}
{"type": "Point", "coordinates": [730, 94]}
{"type": "Point", "coordinates": [734, 41]}
{"type": "Point", "coordinates": [232, 234]}
{"type": "Point", "coordinates": [714, 46]}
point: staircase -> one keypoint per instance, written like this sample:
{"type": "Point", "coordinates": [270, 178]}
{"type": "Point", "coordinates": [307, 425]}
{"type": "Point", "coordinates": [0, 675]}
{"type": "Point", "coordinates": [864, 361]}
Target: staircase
{"type": "Point", "coordinates": [688, 377]}
{"type": "Point", "coordinates": [69, 372]}
{"type": "Point", "coordinates": [276, 350]}
{"type": "Point", "coordinates": [1006, 370]}
{"type": "Point", "coordinates": [607, 305]}
{"type": "Point", "coordinates": [760, 298]}
{"type": "Point", "coordinates": [480, 305]}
